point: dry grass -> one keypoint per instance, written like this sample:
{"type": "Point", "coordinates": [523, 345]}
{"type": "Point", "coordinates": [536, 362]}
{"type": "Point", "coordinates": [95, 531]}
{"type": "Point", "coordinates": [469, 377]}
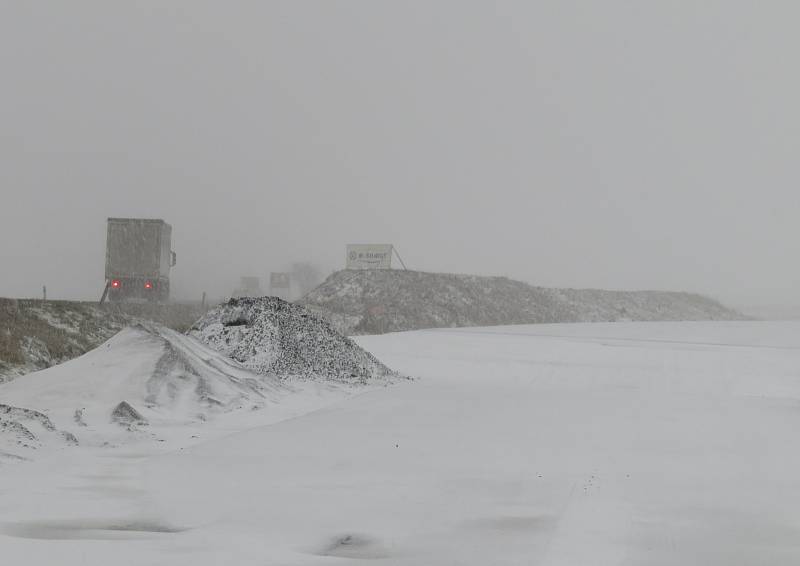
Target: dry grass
{"type": "Point", "coordinates": [10, 338]}
{"type": "Point", "coordinates": [21, 323]}
{"type": "Point", "coordinates": [35, 334]}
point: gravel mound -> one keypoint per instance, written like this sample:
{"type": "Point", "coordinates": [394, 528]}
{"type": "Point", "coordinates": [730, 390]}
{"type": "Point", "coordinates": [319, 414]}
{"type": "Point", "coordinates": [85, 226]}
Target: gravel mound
{"type": "Point", "coordinates": [379, 301]}
{"type": "Point", "coordinates": [269, 335]}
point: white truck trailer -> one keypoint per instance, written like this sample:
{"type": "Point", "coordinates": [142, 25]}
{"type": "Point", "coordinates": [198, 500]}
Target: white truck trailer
{"type": "Point", "coordinates": [138, 259]}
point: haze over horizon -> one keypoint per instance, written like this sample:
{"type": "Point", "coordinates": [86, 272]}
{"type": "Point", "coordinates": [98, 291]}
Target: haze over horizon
{"type": "Point", "coordinates": [610, 145]}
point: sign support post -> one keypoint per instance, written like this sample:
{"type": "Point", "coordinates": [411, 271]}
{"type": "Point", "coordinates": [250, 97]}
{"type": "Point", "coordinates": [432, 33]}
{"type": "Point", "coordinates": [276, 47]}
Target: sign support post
{"type": "Point", "coordinates": [394, 249]}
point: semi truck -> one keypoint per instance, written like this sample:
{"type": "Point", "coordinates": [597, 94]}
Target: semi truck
{"type": "Point", "coordinates": [138, 259]}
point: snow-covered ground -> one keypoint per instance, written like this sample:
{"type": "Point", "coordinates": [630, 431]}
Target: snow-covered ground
{"type": "Point", "coordinates": [560, 445]}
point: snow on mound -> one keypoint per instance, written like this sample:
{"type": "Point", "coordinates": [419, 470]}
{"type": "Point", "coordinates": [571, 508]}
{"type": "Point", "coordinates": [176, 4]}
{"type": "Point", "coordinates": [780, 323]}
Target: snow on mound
{"type": "Point", "coordinates": [269, 335]}
{"type": "Point", "coordinates": [25, 429]}
{"type": "Point", "coordinates": [380, 301]}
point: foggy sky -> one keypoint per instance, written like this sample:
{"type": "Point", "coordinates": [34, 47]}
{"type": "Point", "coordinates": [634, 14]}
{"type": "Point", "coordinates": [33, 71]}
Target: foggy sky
{"type": "Point", "coordinates": [622, 145]}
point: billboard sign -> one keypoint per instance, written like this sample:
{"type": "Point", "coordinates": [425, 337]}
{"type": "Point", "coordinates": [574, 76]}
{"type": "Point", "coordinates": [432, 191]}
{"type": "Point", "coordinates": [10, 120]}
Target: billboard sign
{"type": "Point", "coordinates": [369, 256]}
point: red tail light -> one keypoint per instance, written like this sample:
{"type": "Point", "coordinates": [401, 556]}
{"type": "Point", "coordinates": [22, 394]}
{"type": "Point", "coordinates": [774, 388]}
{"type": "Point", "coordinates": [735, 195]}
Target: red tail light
{"type": "Point", "coordinates": [148, 285]}
{"type": "Point", "coordinates": [116, 283]}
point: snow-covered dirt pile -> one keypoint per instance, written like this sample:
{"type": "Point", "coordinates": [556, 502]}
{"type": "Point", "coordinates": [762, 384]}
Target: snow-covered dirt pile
{"type": "Point", "coordinates": [38, 334]}
{"type": "Point", "coordinates": [269, 335]}
{"type": "Point", "coordinates": [144, 380]}
{"type": "Point", "coordinates": [379, 301]}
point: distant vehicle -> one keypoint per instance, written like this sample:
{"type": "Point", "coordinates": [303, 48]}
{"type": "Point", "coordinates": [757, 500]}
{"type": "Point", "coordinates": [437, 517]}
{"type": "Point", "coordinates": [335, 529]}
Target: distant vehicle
{"type": "Point", "coordinates": [248, 287]}
{"type": "Point", "coordinates": [138, 259]}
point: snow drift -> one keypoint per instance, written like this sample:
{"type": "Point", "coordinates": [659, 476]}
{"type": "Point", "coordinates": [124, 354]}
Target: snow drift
{"type": "Point", "coordinates": [544, 445]}
{"type": "Point", "coordinates": [269, 335]}
{"type": "Point", "coordinates": [379, 301]}
{"type": "Point", "coordinates": [145, 380]}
